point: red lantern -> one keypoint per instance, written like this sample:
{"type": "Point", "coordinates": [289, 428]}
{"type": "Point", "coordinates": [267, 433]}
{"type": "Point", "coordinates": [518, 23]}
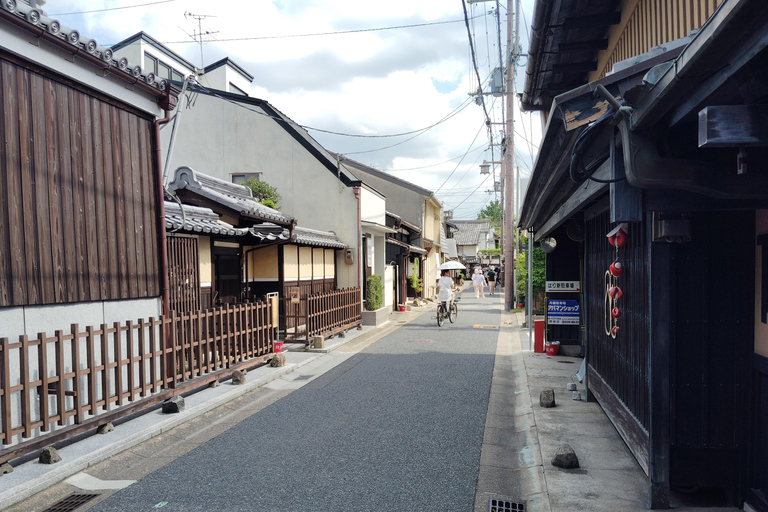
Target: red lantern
{"type": "Point", "coordinates": [618, 236]}
{"type": "Point", "coordinates": [615, 292]}
{"type": "Point", "coordinates": [615, 329]}
{"type": "Point", "coordinates": [616, 269]}
{"type": "Point", "coordinates": [615, 312]}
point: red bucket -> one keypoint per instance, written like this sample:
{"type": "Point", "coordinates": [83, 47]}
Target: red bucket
{"type": "Point", "coordinates": [278, 346]}
{"type": "Point", "coordinates": [401, 307]}
{"type": "Point", "coordinates": [553, 347]}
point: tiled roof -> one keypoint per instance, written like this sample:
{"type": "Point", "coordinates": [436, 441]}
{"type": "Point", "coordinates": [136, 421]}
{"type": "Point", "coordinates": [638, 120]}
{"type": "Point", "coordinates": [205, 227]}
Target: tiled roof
{"type": "Point", "coordinates": [316, 238]}
{"type": "Point", "coordinates": [197, 220]}
{"type": "Point", "coordinates": [470, 230]}
{"type": "Point", "coordinates": [233, 196]}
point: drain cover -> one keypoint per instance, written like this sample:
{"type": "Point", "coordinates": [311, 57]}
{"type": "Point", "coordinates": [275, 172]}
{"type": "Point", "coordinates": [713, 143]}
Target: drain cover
{"type": "Point", "coordinates": [481, 326]}
{"type": "Point", "coordinates": [71, 503]}
{"type": "Point", "coordinates": [426, 340]}
{"type": "Point", "coordinates": [564, 362]}
{"type": "Point", "coordinates": [505, 506]}
{"type": "Point", "coordinates": [304, 377]}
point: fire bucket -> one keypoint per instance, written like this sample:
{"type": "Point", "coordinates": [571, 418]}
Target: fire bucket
{"type": "Point", "coordinates": [278, 346]}
{"type": "Point", "coordinates": [552, 348]}
{"type": "Point", "coordinates": [401, 307]}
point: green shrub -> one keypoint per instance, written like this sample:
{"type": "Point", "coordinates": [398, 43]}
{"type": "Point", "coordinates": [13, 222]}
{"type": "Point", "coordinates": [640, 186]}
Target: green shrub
{"type": "Point", "coordinates": [416, 282]}
{"type": "Point", "coordinates": [374, 289]}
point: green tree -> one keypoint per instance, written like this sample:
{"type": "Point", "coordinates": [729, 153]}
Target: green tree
{"type": "Point", "coordinates": [539, 274]}
{"type": "Point", "coordinates": [264, 193]}
{"type": "Point", "coordinates": [375, 292]}
{"type": "Point", "coordinates": [491, 211]}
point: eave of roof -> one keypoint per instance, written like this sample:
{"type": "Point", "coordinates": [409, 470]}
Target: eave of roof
{"type": "Point", "coordinates": [411, 248]}
{"type": "Point", "coordinates": [226, 61]}
{"type": "Point", "coordinates": [316, 238]}
{"type": "Point", "coordinates": [160, 47]}
{"type": "Point", "coordinates": [382, 175]}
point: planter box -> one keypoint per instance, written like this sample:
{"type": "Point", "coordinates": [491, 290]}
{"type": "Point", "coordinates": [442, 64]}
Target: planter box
{"type": "Point", "coordinates": [376, 317]}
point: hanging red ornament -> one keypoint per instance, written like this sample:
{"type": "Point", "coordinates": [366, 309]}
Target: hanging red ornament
{"type": "Point", "coordinates": [615, 292]}
{"type": "Point", "coordinates": [618, 235]}
{"type": "Point", "coordinates": [615, 329]}
{"type": "Point", "coordinates": [616, 269]}
{"type": "Point", "coordinates": [615, 312]}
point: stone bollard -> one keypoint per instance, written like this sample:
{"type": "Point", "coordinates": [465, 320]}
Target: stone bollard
{"type": "Point", "coordinates": [214, 384]}
{"type": "Point", "coordinates": [238, 378]}
{"type": "Point", "coordinates": [173, 405]}
{"type": "Point", "coordinates": [5, 468]}
{"type": "Point", "coordinates": [318, 342]}
{"type": "Point", "coordinates": [105, 428]}
{"type": "Point", "coordinates": [49, 455]}
{"type": "Point", "coordinates": [571, 386]}
{"type": "Point", "coordinates": [547, 398]}
{"type": "Point", "coordinates": [277, 360]}
{"type": "Point", "coordinates": [565, 458]}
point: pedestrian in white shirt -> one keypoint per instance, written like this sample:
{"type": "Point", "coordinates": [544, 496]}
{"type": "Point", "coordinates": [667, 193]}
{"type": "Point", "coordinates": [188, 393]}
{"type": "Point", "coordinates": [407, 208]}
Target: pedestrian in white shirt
{"type": "Point", "coordinates": [479, 281]}
{"type": "Point", "coordinates": [444, 287]}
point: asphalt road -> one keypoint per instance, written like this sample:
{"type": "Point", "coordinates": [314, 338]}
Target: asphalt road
{"type": "Point", "coordinates": [396, 427]}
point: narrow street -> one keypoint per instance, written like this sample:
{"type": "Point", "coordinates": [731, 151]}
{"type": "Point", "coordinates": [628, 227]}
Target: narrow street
{"type": "Point", "coordinates": [396, 426]}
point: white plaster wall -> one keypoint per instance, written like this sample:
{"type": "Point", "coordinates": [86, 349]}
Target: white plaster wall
{"type": "Point", "coordinates": [220, 138]}
{"type": "Point", "coordinates": [373, 208]}
{"type": "Point", "coordinates": [379, 244]}
{"type": "Point", "coordinates": [389, 286]}
{"type": "Point", "coordinates": [51, 57]}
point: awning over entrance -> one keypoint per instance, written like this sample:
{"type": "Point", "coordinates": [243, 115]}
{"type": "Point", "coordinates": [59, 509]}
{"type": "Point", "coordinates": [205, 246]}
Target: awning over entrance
{"type": "Point", "coordinates": [411, 248]}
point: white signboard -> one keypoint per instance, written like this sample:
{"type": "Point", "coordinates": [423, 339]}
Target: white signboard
{"type": "Point", "coordinates": [563, 286]}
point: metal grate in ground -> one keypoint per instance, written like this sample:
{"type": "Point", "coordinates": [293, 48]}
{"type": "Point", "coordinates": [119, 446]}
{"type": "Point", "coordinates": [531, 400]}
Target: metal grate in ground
{"type": "Point", "coordinates": [497, 505]}
{"type": "Point", "coordinates": [71, 503]}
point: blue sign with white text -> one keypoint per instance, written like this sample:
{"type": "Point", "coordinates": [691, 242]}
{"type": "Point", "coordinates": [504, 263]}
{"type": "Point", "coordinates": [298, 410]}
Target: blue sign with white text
{"type": "Point", "coordinates": [563, 312]}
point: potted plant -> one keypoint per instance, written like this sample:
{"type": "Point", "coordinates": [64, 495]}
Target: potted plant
{"type": "Point", "coordinates": [375, 313]}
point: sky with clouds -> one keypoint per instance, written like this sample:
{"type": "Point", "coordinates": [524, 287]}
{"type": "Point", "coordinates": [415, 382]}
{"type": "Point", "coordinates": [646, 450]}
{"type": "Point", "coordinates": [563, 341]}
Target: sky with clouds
{"type": "Point", "coordinates": [376, 69]}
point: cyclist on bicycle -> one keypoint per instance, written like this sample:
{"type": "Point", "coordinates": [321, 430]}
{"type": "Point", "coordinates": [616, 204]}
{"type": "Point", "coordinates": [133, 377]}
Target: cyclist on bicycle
{"type": "Point", "coordinates": [444, 286]}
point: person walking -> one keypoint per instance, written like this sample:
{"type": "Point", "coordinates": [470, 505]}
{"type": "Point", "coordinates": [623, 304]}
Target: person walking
{"type": "Point", "coordinates": [491, 276]}
{"type": "Point", "coordinates": [479, 281]}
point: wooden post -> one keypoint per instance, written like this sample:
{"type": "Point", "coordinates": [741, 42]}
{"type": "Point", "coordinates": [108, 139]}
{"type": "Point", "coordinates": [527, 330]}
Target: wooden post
{"type": "Point", "coordinates": [660, 346]}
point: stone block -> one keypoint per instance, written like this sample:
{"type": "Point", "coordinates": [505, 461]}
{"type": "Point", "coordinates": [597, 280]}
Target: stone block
{"type": "Point", "coordinates": [238, 378]}
{"type": "Point", "coordinates": [318, 342]}
{"type": "Point", "coordinates": [571, 386]}
{"type": "Point", "coordinates": [277, 360]}
{"type": "Point", "coordinates": [105, 428]}
{"type": "Point", "coordinates": [173, 405]}
{"type": "Point", "coordinates": [547, 398]}
{"type": "Point", "coordinates": [5, 468]}
{"type": "Point", "coordinates": [565, 458]}
{"type": "Point", "coordinates": [49, 455]}
{"type": "Point", "coordinates": [214, 384]}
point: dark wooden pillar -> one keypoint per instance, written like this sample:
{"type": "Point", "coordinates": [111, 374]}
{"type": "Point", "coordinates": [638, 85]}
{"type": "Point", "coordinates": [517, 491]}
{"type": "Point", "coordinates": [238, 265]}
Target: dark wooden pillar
{"type": "Point", "coordinates": [660, 330]}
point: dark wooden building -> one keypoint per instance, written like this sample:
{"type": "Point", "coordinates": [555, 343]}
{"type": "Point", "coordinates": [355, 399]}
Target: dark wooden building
{"type": "Point", "coordinates": [667, 153]}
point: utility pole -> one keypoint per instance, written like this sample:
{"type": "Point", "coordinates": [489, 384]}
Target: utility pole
{"type": "Point", "coordinates": [513, 42]}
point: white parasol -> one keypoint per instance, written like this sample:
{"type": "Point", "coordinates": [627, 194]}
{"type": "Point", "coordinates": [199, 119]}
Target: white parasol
{"type": "Point", "coordinates": [451, 265]}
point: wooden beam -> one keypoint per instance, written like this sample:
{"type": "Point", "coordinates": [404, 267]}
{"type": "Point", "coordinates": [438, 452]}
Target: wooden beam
{"type": "Point", "coordinates": [574, 67]}
{"type": "Point", "coordinates": [733, 126]}
{"type": "Point", "coordinates": [660, 344]}
{"type": "Point", "coordinates": [583, 46]}
{"type": "Point", "coordinates": [593, 20]}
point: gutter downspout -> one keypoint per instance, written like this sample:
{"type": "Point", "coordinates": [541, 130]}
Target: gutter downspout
{"type": "Point", "coordinates": [356, 191]}
{"type": "Point", "coordinates": [161, 211]}
{"type": "Point", "coordinates": [538, 28]}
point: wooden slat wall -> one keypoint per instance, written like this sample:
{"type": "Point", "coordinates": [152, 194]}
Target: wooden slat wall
{"type": "Point", "coordinates": [77, 219]}
{"type": "Point", "coordinates": [121, 367]}
{"type": "Point", "coordinates": [651, 23]}
{"type": "Point", "coordinates": [183, 274]}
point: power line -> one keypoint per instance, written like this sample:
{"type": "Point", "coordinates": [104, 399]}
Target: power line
{"type": "Point", "coordinates": [112, 8]}
{"type": "Point", "coordinates": [315, 34]}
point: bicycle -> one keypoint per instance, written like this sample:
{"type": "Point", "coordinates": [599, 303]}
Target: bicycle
{"type": "Point", "coordinates": [443, 312]}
